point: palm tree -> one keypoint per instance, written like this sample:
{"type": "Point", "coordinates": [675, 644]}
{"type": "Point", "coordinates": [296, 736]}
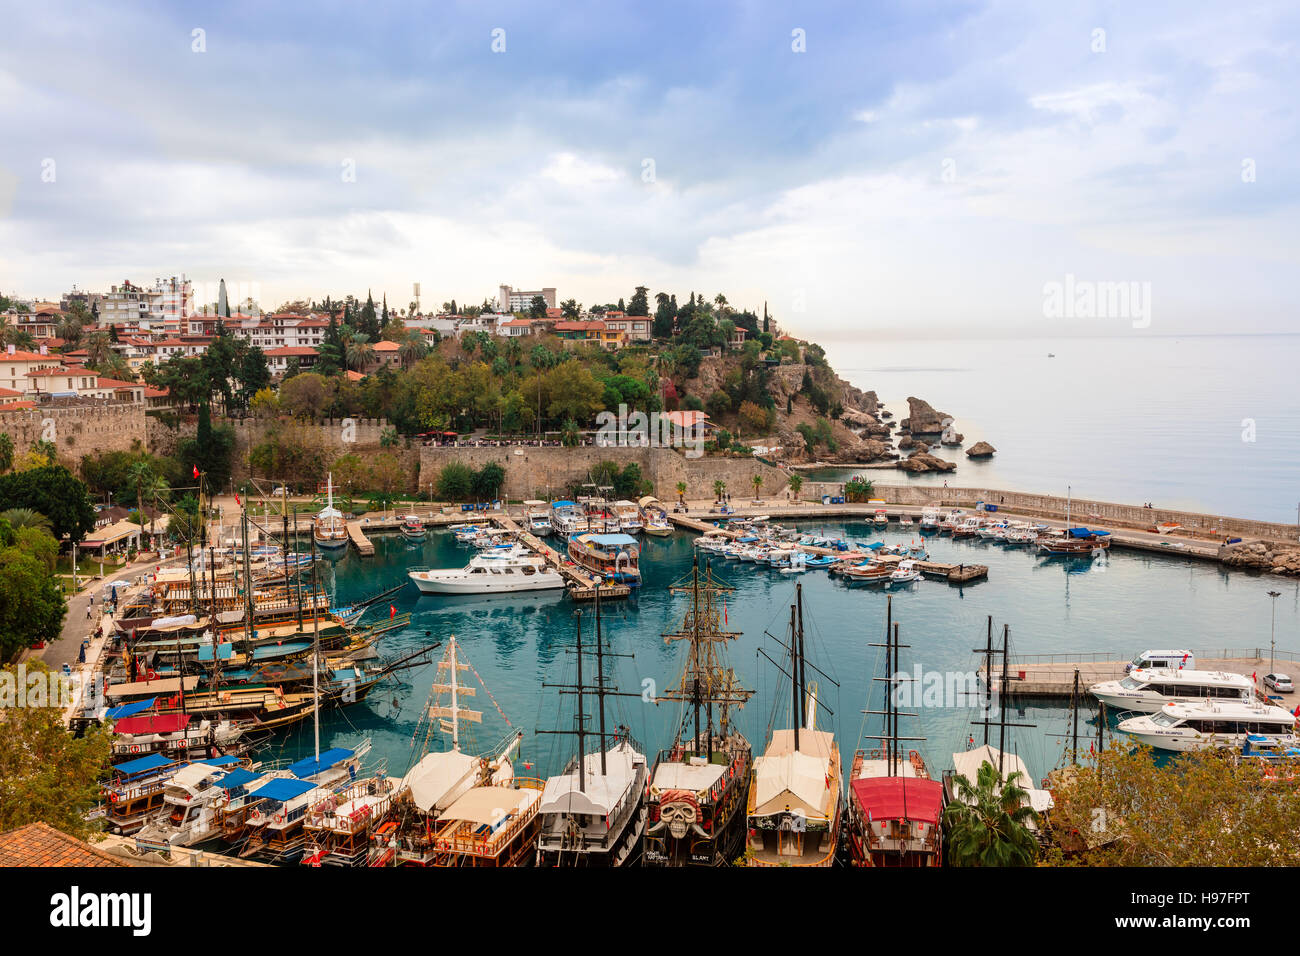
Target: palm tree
{"type": "Point", "coordinates": [719, 489]}
{"type": "Point", "coordinates": [988, 822]}
{"type": "Point", "coordinates": [796, 482]}
{"type": "Point", "coordinates": [157, 488]}
{"type": "Point", "coordinates": [98, 348]}
{"type": "Point", "coordinates": [681, 492]}
{"type": "Point", "coordinates": [69, 328]}
{"type": "Point", "coordinates": [412, 348]}
{"type": "Point", "coordinates": [757, 482]}
{"type": "Point", "coordinates": [140, 474]}
{"type": "Point", "coordinates": [359, 351]}
{"type": "Point", "coordinates": [26, 518]}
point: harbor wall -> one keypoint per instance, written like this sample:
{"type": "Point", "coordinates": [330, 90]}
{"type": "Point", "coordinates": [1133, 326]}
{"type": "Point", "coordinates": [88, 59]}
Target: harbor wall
{"type": "Point", "coordinates": [1083, 510]}
{"type": "Point", "coordinates": [546, 472]}
{"type": "Point", "coordinates": [77, 430]}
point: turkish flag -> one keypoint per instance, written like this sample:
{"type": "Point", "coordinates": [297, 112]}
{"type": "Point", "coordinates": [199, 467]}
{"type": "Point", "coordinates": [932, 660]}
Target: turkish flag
{"type": "Point", "coordinates": [392, 611]}
{"type": "Point", "coordinates": [196, 471]}
{"type": "Point", "coordinates": [237, 501]}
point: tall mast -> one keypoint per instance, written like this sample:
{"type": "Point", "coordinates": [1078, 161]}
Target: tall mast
{"type": "Point", "coordinates": [600, 686]}
{"type": "Point", "coordinates": [803, 682]}
{"type": "Point", "coordinates": [1002, 710]}
{"type": "Point", "coordinates": [794, 677]}
{"type": "Point", "coordinates": [315, 654]}
{"type": "Point", "coordinates": [1074, 705]}
{"type": "Point", "coordinates": [582, 720]}
{"type": "Point", "coordinates": [988, 684]}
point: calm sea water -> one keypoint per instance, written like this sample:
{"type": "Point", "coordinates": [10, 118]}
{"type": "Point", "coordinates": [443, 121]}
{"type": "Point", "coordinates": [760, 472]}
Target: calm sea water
{"type": "Point", "coordinates": [1129, 419]}
{"type": "Point", "coordinates": [519, 644]}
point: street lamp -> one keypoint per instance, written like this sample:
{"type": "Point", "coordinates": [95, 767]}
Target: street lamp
{"type": "Point", "coordinates": [1272, 636]}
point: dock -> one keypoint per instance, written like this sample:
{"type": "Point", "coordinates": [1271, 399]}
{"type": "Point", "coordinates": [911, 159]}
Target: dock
{"type": "Point", "coordinates": [359, 540]}
{"type": "Point", "coordinates": [1052, 675]}
{"type": "Point", "coordinates": [952, 573]}
{"type": "Point", "coordinates": [582, 584]}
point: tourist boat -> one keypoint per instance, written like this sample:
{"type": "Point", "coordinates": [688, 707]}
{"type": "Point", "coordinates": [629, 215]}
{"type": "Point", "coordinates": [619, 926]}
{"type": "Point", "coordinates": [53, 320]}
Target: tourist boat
{"type": "Point", "coordinates": [929, 519]}
{"type": "Point", "coordinates": [568, 518]}
{"type": "Point", "coordinates": [190, 801]}
{"type": "Point", "coordinates": [868, 572]}
{"type": "Point", "coordinates": [490, 574]}
{"type": "Point", "coordinates": [905, 573]}
{"type": "Point", "coordinates": [328, 529]}
{"type": "Point", "coordinates": [490, 826]}
{"type": "Point", "coordinates": [714, 541]}
{"type": "Point", "coordinates": [537, 518]}
{"type": "Point", "coordinates": [881, 518]}
{"type": "Point", "coordinates": [1148, 691]}
{"type": "Point", "coordinates": [894, 804]}
{"type": "Point", "coordinates": [612, 556]}
{"type": "Point", "coordinates": [699, 788]}
{"type": "Point", "coordinates": [135, 789]}
{"type": "Point", "coordinates": [967, 527]}
{"type": "Point", "coordinates": [1077, 542]}
{"type": "Point", "coordinates": [440, 777]}
{"type": "Point", "coordinates": [413, 526]}
{"type": "Point", "coordinates": [656, 519]}
{"type": "Point", "coordinates": [338, 829]}
{"type": "Point", "coordinates": [1219, 724]}
{"type": "Point", "coordinates": [1279, 763]}
{"type": "Point", "coordinates": [1021, 532]}
{"type": "Point", "coordinates": [629, 517]}
{"type": "Point", "coordinates": [178, 736]}
{"type": "Point", "coordinates": [594, 814]}
{"type": "Point", "coordinates": [466, 533]}
{"type": "Point", "coordinates": [793, 813]}
{"type": "Point", "coordinates": [904, 521]}
{"type": "Point", "coordinates": [996, 529]}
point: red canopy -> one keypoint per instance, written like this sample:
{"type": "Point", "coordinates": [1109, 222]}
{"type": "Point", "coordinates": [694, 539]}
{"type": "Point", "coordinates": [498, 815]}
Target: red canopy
{"type": "Point", "coordinates": [152, 724]}
{"type": "Point", "coordinates": [900, 798]}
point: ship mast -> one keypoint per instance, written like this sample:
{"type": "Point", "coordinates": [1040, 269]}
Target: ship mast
{"type": "Point", "coordinates": [705, 681]}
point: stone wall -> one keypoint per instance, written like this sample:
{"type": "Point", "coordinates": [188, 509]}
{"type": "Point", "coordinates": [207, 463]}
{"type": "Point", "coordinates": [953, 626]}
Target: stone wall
{"type": "Point", "coordinates": [337, 437]}
{"type": "Point", "coordinates": [545, 472]}
{"type": "Point", "coordinates": [77, 430]}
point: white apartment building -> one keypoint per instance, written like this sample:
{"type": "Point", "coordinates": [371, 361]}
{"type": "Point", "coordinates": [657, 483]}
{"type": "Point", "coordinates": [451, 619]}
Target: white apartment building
{"type": "Point", "coordinates": [513, 300]}
{"type": "Point", "coordinates": [280, 330]}
{"type": "Point", "coordinates": [129, 303]}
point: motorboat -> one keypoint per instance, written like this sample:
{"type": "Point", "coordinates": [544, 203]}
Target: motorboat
{"type": "Point", "coordinates": [1148, 690]}
{"type": "Point", "coordinates": [490, 574]}
{"type": "Point", "coordinates": [905, 573]}
{"type": "Point", "coordinates": [1212, 724]}
{"type": "Point", "coordinates": [413, 527]}
{"type": "Point", "coordinates": [537, 518]}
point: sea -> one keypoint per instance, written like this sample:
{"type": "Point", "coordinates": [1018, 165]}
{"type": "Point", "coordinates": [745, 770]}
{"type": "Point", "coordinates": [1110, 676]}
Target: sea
{"type": "Point", "coordinates": [1207, 423]}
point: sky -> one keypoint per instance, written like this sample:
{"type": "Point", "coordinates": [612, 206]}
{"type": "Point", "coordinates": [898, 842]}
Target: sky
{"type": "Point", "coordinates": [864, 168]}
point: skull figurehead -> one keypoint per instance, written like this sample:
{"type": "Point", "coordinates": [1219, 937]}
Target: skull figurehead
{"type": "Point", "coordinates": [680, 811]}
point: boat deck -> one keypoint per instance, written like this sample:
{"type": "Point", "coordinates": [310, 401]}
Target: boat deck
{"type": "Point", "coordinates": [1050, 678]}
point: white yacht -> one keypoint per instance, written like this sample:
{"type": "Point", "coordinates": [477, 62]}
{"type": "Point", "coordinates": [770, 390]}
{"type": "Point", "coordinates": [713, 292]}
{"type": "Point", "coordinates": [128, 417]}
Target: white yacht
{"type": "Point", "coordinates": [1225, 724]}
{"type": "Point", "coordinates": [328, 528]}
{"type": "Point", "coordinates": [490, 574]}
{"type": "Point", "coordinates": [1147, 691]}
{"type": "Point", "coordinates": [930, 519]}
{"type": "Point", "coordinates": [537, 518]}
{"type": "Point", "coordinates": [905, 573]}
{"type": "Point", "coordinates": [568, 517]}
{"type": "Point", "coordinates": [629, 517]}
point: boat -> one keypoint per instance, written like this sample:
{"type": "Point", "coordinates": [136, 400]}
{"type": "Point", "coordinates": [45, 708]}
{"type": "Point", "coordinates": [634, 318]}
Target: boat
{"type": "Point", "coordinates": [190, 801]}
{"type": "Point", "coordinates": [568, 518]}
{"type": "Point", "coordinates": [594, 813]}
{"type": "Point", "coordinates": [176, 735]}
{"type": "Point", "coordinates": [490, 573]}
{"type": "Point", "coordinates": [537, 518]}
{"type": "Point", "coordinates": [905, 521]}
{"type": "Point", "coordinates": [967, 527]}
{"type": "Point", "coordinates": [135, 789]}
{"type": "Point", "coordinates": [1147, 691]}
{"type": "Point", "coordinates": [1212, 724]}
{"type": "Point", "coordinates": [894, 804]}
{"type": "Point", "coordinates": [929, 519]}
{"type": "Point", "coordinates": [328, 529]}
{"type": "Point", "coordinates": [629, 517]}
{"type": "Point", "coordinates": [440, 777]}
{"type": "Point", "coordinates": [612, 556]}
{"type": "Point", "coordinates": [869, 572]}
{"type": "Point", "coordinates": [1076, 542]}
{"type": "Point", "coordinates": [699, 788]}
{"type": "Point", "coordinates": [905, 573]}
{"type": "Point", "coordinates": [413, 527]}
{"type": "Point", "coordinates": [881, 518]}
{"type": "Point", "coordinates": [656, 518]}
{"type": "Point", "coordinates": [793, 814]}
{"type": "Point", "coordinates": [338, 829]}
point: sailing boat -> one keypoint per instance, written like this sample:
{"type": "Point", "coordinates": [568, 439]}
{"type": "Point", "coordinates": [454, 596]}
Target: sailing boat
{"type": "Point", "coordinates": [793, 816]}
{"type": "Point", "coordinates": [894, 803]}
{"type": "Point", "coordinates": [328, 529]}
{"type": "Point", "coordinates": [700, 787]}
{"type": "Point", "coordinates": [440, 778]}
{"type": "Point", "coordinates": [596, 815]}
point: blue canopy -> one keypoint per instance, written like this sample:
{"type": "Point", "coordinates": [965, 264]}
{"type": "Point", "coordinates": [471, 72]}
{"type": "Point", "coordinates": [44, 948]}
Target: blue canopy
{"type": "Point", "coordinates": [219, 761]}
{"type": "Point", "coordinates": [279, 650]}
{"type": "Point", "coordinates": [223, 651]}
{"type": "Point", "coordinates": [282, 789]}
{"type": "Point", "coordinates": [1086, 533]}
{"type": "Point", "coordinates": [237, 778]}
{"type": "Point", "coordinates": [328, 758]}
{"type": "Point", "coordinates": [610, 539]}
{"type": "Point", "coordinates": [563, 504]}
{"type": "Point", "coordinates": [128, 710]}
{"type": "Point", "coordinates": [151, 762]}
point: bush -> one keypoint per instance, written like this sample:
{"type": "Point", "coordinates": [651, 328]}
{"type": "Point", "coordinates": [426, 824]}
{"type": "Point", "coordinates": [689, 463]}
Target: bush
{"type": "Point", "coordinates": [455, 482]}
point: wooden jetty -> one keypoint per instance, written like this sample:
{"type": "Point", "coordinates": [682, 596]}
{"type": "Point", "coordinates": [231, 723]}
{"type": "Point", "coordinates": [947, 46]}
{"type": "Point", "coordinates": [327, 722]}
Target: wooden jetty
{"type": "Point", "coordinates": [359, 539]}
{"type": "Point", "coordinates": [1052, 675]}
{"type": "Point", "coordinates": [582, 583]}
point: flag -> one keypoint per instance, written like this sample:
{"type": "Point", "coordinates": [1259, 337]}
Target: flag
{"type": "Point", "coordinates": [196, 471]}
{"type": "Point", "coordinates": [1252, 675]}
{"type": "Point", "coordinates": [237, 501]}
{"type": "Point", "coordinates": [392, 611]}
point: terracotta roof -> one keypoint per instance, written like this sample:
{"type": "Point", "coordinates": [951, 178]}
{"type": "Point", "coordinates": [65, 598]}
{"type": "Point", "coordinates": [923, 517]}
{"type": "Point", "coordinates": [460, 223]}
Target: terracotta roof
{"type": "Point", "coordinates": [592, 326]}
{"type": "Point", "coordinates": [39, 844]}
{"type": "Point", "coordinates": [15, 406]}
{"type": "Point", "coordinates": [69, 370]}
{"type": "Point", "coordinates": [155, 392]}
{"type": "Point", "coordinates": [384, 345]}
{"type": "Point", "coordinates": [20, 356]}
{"type": "Point", "coordinates": [115, 383]}
{"type": "Point", "coordinates": [354, 376]}
{"type": "Point", "coordinates": [518, 324]}
{"type": "Point", "coordinates": [291, 350]}
{"type": "Point", "coordinates": [554, 313]}
{"type": "Point", "coordinates": [10, 393]}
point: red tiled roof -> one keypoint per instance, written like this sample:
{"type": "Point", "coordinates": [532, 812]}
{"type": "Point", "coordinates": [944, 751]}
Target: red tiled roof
{"type": "Point", "coordinates": [62, 370]}
{"type": "Point", "coordinates": [39, 844]}
{"type": "Point", "coordinates": [354, 376]}
{"type": "Point", "coordinates": [114, 383]}
{"type": "Point", "coordinates": [10, 393]}
{"type": "Point", "coordinates": [592, 326]}
{"type": "Point", "coordinates": [384, 345]}
{"type": "Point", "coordinates": [518, 324]}
{"type": "Point", "coordinates": [14, 406]}
{"type": "Point", "coordinates": [291, 350]}
{"type": "Point", "coordinates": [21, 356]}
{"type": "Point", "coordinates": [156, 392]}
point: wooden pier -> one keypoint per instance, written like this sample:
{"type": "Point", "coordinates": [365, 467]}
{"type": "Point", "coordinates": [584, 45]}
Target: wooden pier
{"type": "Point", "coordinates": [582, 583]}
{"type": "Point", "coordinates": [359, 540]}
{"type": "Point", "coordinates": [1046, 676]}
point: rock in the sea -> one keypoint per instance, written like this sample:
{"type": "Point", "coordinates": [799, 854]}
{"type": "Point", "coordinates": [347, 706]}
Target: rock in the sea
{"type": "Point", "coordinates": [865, 451]}
{"type": "Point", "coordinates": [920, 462]}
{"type": "Point", "coordinates": [922, 418]}
{"type": "Point", "coordinates": [906, 442]}
{"type": "Point", "coordinates": [981, 449]}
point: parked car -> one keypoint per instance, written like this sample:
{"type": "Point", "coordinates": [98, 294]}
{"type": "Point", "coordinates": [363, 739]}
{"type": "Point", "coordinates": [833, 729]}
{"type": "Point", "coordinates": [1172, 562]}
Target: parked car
{"type": "Point", "coordinates": [1279, 682]}
{"type": "Point", "coordinates": [281, 491]}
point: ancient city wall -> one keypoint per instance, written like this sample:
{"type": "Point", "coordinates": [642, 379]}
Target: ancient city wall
{"type": "Point", "coordinates": [77, 430]}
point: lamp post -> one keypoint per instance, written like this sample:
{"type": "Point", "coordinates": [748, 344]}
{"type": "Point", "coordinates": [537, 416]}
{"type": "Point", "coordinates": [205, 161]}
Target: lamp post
{"type": "Point", "coordinates": [1272, 635]}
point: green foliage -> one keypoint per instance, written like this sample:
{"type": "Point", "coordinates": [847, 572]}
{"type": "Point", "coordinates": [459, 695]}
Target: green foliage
{"type": "Point", "coordinates": [455, 482]}
{"type": "Point", "coordinates": [858, 490]}
{"type": "Point", "coordinates": [54, 492]}
{"type": "Point", "coordinates": [987, 825]}
{"type": "Point", "coordinates": [31, 605]}
{"type": "Point", "coordinates": [488, 480]}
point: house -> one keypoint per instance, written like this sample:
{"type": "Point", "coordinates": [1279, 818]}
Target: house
{"type": "Point", "coordinates": [628, 329]}
{"type": "Point", "coordinates": [580, 331]}
{"type": "Point", "coordinates": [691, 421]}
{"type": "Point", "coordinates": [277, 360]}
{"type": "Point", "coordinates": [386, 353]}
{"type": "Point", "coordinates": [515, 328]}
{"type": "Point", "coordinates": [14, 366]}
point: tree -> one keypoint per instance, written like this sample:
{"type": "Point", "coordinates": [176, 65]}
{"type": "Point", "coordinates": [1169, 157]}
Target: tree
{"type": "Point", "coordinates": [754, 417]}
{"type": "Point", "coordinates": [305, 396]}
{"type": "Point", "coordinates": [574, 392]}
{"type": "Point", "coordinates": [359, 351]}
{"type": "Point", "coordinates": [988, 822]}
{"type": "Point", "coordinates": [537, 308]}
{"type": "Point", "coordinates": [31, 605]}
{"type": "Point", "coordinates": [796, 483]}
{"type": "Point", "coordinates": [56, 493]}
{"type": "Point", "coordinates": [6, 452]}
{"type": "Point", "coordinates": [142, 475]}
{"type": "Point", "coordinates": [719, 489]}
{"type": "Point", "coordinates": [254, 375]}
{"type": "Point", "coordinates": [488, 481]}
{"type": "Point", "coordinates": [718, 404]}
{"type": "Point", "coordinates": [681, 492]}
{"type": "Point", "coordinates": [640, 302]}
{"type": "Point", "coordinates": [455, 482]}
{"type": "Point", "coordinates": [570, 308]}
{"type": "Point", "coordinates": [858, 489]}
{"type": "Point", "coordinates": [48, 775]}
{"type": "Point", "coordinates": [757, 482]}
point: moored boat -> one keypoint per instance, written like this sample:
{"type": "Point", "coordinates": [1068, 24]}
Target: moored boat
{"type": "Point", "coordinates": [328, 529]}
{"type": "Point", "coordinates": [612, 556]}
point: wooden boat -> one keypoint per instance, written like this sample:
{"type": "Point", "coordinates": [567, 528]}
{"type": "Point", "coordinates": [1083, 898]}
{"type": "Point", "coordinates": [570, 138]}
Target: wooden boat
{"type": "Point", "coordinates": [700, 786]}
{"type": "Point", "coordinates": [594, 814]}
{"type": "Point", "coordinates": [794, 808]}
{"type": "Point", "coordinates": [338, 829]}
{"type": "Point", "coordinates": [612, 556]}
{"type": "Point", "coordinates": [413, 527]}
{"type": "Point", "coordinates": [134, 792]}
{"type": "Point", "coordinates": [328, 529]}
{"type": "Point", "coordinates": [894, 804]}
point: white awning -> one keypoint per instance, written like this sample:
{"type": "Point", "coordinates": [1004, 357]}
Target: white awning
{"type": "Point", "coordinates": [439, 778]}
{"type": "Point", "coordinates": [968, 763]}
{"type": "Point", "coordinates": [600, 793]}
{"type": "Point", "coordinates": [490, 806]}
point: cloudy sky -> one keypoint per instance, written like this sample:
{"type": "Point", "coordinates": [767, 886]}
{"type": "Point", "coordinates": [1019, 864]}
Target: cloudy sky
{"type": "Point", "coordinates": [908, 168]}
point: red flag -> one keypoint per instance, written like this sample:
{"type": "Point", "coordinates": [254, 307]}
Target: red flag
{"type": "Point", "coordinates": [196, 471]}
{"type": "Point", "coordinates": [237, 501]}
{"type": "Point", "coordinates": [392, 611]}
{"type": "Point", "coordinates": [1252, 675]}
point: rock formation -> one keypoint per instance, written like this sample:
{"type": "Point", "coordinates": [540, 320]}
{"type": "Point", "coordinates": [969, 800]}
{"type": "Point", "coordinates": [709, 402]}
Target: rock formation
{"type": "Point", "coordinates": [922, 418]}
{"type": "Point", "coordinates": [981, 449]}
{"type": "Point", "coordinates": [921, 461]}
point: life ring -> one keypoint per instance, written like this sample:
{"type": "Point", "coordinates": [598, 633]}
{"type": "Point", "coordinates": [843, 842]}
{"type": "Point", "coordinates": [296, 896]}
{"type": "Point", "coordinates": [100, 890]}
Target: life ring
{"type": "Point", "coordinates": [913, 755]}
{"type": "Point", "coordinates": [278, 818]}
{"type": "Point", "coordinates": [113, 797]}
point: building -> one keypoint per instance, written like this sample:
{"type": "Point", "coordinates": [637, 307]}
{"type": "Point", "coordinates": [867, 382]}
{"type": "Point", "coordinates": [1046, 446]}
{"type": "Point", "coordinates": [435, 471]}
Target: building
{"type": "Point", "coordinates": [386, 353]}
{"type": "Point", "coordinates": [14, 366]}
{"type": "Point", "coordinates": [175, 300]}
{"type": "Point", "coordinates": [277, 360]}
{"type": "Point", "coordinates": [583, 330]}
{"type": "Point", "coordinates": [515, 328]}
{"type": "Point", "coordinates": [129, 303]}
{"type": "Point", "coordinates": [39, 844]}
{"type": "Point", "coordinates": [512, 300]}
{"type": "Point", "coordinates": [631, 329]}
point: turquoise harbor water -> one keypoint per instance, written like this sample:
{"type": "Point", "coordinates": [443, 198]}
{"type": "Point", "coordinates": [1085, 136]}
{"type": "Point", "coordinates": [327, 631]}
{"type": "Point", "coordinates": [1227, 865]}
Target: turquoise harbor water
{"type": "Point", "coordinates": [1128, 418]}
{"type": "Point", "coordinates": [518, 644]}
